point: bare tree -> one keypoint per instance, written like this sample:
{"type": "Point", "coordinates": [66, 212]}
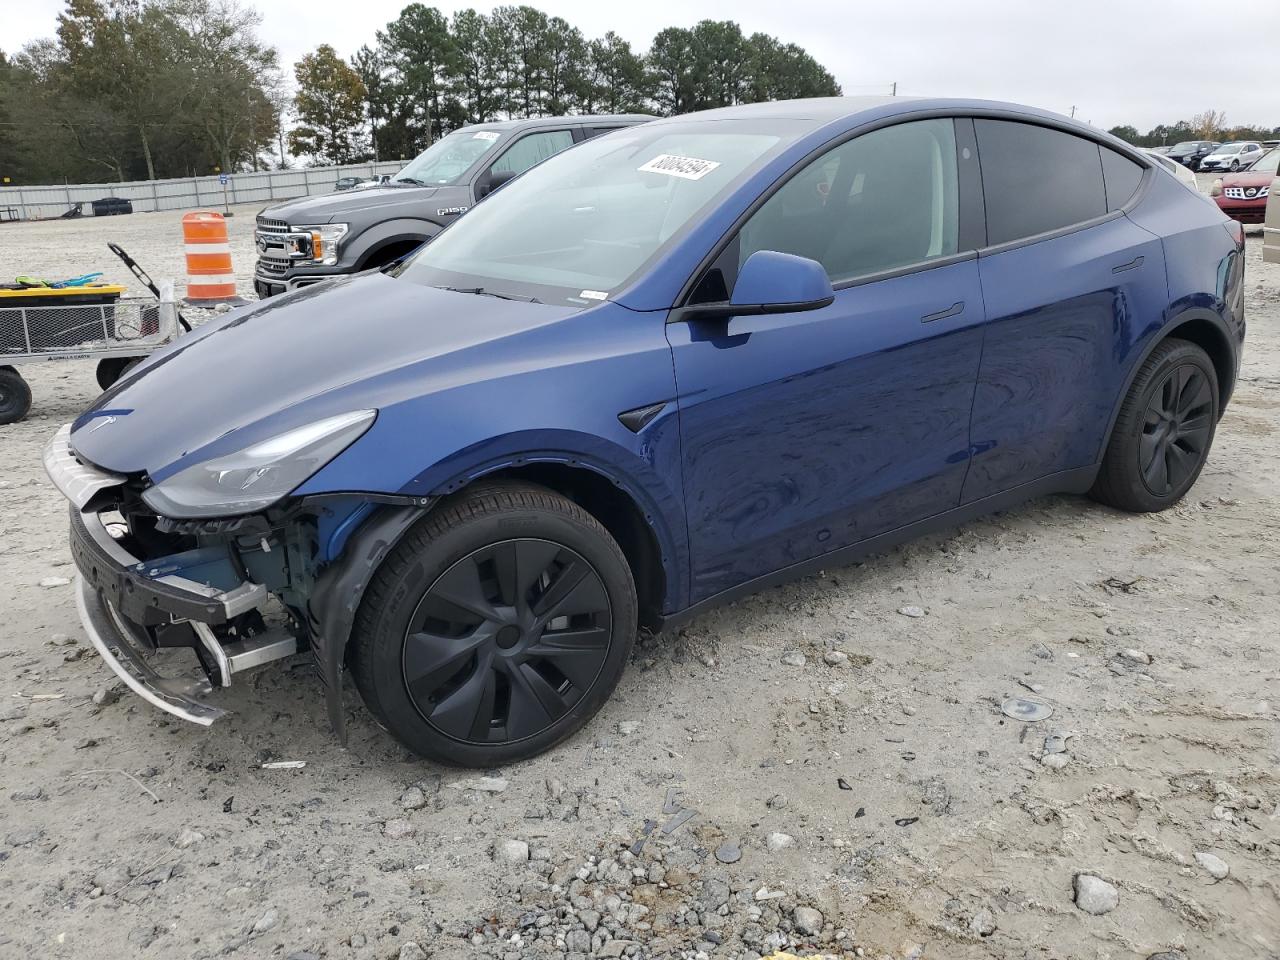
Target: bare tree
{"type": "Point", "coordinates": [1209, 124]}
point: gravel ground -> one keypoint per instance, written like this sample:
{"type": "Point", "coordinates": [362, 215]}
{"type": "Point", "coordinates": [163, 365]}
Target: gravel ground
{"type": "Point", "coordinates": [855, 789]}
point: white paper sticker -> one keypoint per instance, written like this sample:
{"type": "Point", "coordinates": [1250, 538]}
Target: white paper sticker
{"type": "Point", "coordinates": [485, 135]}
{"type": "Point", "coordinates": [594, 295]}
{"type": "Point", "coordinates": [686, 168]}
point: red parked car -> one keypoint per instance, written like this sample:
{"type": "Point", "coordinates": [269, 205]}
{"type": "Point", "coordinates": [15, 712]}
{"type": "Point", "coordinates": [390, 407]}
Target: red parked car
{"type": "Point", "coordinates": [1243, 196]}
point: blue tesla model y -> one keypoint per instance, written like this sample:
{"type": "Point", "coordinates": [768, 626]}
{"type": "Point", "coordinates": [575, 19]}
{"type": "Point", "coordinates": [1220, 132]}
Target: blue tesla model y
{"type": "Point", "coordinates": [672, 365]}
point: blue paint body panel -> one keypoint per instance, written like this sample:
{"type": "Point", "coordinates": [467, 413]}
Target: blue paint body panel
{"type": "Point", "coordinates": [784, 436]}
{"type": "Point", "coordinates": [806, 432]}
{"type": "Point", "coordinates": [1062, 331]}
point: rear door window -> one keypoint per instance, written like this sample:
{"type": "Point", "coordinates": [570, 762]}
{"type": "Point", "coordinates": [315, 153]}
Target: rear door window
{"type": "Point", "coordinates": [1036, 179]}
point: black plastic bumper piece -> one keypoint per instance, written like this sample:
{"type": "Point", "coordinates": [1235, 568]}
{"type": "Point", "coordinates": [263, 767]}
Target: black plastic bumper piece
{"type": "Point", "coordinates": [123, 581]}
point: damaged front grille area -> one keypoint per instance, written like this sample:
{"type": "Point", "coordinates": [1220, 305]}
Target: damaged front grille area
{"type": "Point", "coordinates": [178, 608]}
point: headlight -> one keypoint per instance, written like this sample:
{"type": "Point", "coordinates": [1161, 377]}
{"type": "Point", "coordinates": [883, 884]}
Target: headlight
{"type": "Point", "coordinates": [1216, 189]}
{"type": "Point", "coordinates": [325, 240]}
{"type": "Point", "coordinates": [257, 476]}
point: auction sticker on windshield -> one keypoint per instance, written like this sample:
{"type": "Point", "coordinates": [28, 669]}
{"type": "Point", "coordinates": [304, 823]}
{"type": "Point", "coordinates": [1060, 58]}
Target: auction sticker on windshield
{"type": "Point", "coordinates": [687, 168]}
{"type": "Point", "coordinates": [485, 135]}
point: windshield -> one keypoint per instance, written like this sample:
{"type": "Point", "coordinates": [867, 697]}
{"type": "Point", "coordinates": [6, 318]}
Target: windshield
{"type": "Point", "coordinates": [1186, 145]}
{"type": "Point", "coordinates": [1269, 163]}
{"type": "Point", "coordinates": [578, 226]}
{"type": "Point", "coordinates": [448, 159]}
{"type": "Point", "coordinates": [1230, 148]}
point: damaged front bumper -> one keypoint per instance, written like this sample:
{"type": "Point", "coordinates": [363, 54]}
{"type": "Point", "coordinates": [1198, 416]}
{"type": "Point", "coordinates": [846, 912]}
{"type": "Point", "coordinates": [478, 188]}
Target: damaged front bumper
{"type": "Point", "coordinates": [141, 614]}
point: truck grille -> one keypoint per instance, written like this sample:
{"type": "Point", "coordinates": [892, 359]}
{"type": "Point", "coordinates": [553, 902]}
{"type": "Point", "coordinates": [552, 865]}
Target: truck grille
{"type": "Point", "coordinates": [267, 225]}
{"type": "Point", "coordinates": [275, 268]}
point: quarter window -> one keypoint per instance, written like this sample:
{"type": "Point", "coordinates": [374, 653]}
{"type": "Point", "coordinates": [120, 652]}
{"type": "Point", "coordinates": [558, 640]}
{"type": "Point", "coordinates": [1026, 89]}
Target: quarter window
{"type": "Point", "coordinates": [533, 149]}
{"type": "Point", "coordinates": [1121, 177]}
{"type": "Point", "coordinates": [884, 200]}
{"type": "Point", "coordinates": [1037, 180]}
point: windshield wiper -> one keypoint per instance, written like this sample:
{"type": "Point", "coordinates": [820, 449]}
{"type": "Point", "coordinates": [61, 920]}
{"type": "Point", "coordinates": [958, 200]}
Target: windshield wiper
{"type": "Point", "coordinates": [482, 292]}
{"type": "Point", "coordinates": [414, 180]}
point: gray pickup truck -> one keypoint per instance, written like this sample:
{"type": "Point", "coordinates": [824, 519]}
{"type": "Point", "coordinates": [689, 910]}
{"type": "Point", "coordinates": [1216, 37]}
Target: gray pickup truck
{"type": "Point", "coordinates": [305, 240]}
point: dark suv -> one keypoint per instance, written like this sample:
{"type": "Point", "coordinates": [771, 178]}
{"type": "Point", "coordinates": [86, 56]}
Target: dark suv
{"type": "Point", "coordinates": [305, 240]}
{"type": "Point", "coordinates": [1189, 153]}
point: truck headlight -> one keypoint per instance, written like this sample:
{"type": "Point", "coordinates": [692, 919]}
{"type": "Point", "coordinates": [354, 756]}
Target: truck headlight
{"type": "Point", "coordinates": [258, 476]}
{"type": "Point", "coordinates": [326, 238]}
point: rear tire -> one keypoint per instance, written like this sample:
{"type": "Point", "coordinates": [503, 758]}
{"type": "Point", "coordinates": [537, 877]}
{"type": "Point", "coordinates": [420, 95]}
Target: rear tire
{"type": "Point", "coordinates": [1163, 434]}
{"type": "Point", "coordinates": [15, 396]}
{"type": "Point", "coordinates": [497, 627]}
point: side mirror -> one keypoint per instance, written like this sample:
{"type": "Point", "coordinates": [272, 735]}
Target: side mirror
{"type": "Point", "coordinates": [771, 282]}
{"type": "Point", "coordinates": [495, 182]}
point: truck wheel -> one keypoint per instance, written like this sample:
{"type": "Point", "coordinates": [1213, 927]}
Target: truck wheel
{"type": "Point", "coordinates": [15, 396]}
{"type": "Point", "coordinates": [1163, 434]}
{"type": "Point", "coordinates": [496, 628]}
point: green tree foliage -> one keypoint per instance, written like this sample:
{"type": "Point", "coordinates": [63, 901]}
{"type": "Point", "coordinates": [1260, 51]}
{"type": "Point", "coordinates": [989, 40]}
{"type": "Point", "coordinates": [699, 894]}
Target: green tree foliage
{"type": "Point", "coordinates": [1194, 129]}
{"type": "Point", "coordinates": [427, 76]}
{"type": "Point", "coordinates": [159, 88]}
{"type": "Point", "coordinates": [141, 88]}
{"type": "Point", "coordinates": [615, 78]}
{"type": "Point", "coordinates": [1126, 133]}
{"type": "Point", "coordinates": [235, 77]}
{"type": "Point", "coordinates": [477, 79]}
{"type": "Point", "coordinates": [330, 109]}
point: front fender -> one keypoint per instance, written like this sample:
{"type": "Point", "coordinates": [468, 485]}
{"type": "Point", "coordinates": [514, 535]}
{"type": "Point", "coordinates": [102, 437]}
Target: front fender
{"type": "Point", "coordinates": [635, 476]}
{"type": "Point", "coordinates": [401, 230]}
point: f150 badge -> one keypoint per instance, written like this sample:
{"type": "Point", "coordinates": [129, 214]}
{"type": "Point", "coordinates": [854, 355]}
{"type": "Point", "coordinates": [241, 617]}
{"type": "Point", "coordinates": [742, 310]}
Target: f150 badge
{"type": "Point", "coordinates": [450, 211]}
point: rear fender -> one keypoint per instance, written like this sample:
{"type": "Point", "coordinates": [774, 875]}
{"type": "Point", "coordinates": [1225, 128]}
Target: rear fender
{"type": "Point", "coordinates": [1196, 313]}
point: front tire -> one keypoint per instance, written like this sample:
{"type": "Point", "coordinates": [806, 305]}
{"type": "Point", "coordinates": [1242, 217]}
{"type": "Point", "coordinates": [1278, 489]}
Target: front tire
{"type": "Point", "coordinates": [1162, 436]}
{"type": "Point", "coordinates": [496, 628]}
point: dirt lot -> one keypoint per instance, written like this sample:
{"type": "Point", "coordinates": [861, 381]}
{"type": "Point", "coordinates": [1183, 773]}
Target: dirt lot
{"type": "Point", "coordinates": [884, 789]}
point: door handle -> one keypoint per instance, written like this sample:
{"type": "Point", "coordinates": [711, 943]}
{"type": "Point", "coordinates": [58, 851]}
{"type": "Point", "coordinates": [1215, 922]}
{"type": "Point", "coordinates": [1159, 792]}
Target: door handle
{"type": "Point", "coordinates": [1131, 265]}
{"type": "Point", "coordinates": [954, 310]}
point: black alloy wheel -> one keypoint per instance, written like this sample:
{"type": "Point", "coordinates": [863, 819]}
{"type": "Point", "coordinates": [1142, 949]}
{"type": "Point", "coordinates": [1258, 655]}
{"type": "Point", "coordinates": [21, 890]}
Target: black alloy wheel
{"type": "Point", "coordinates": [1163, 432]}
{"type": "Point", "coordinates": [496, 627]}
{"type": "Point", "coordinates": [506, 641]}
{"type": "Point", "coordinates": [1176, 430]}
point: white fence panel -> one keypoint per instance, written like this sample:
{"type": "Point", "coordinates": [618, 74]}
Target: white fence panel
{"type": "Point", "coordinates": [187, 193]}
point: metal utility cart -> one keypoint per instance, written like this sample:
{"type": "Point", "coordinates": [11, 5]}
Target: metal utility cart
{"type": "Point", "coordinates": [77, 323]}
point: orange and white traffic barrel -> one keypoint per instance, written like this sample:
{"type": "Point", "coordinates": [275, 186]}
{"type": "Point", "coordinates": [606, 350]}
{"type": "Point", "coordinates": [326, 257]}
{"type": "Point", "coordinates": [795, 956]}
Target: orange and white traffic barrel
{"type": "Point", "coordinates": [210, 279]}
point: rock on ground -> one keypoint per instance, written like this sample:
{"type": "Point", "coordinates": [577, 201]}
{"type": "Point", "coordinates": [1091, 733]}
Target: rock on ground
{"type": "Point", "coordinates": [1094, 895]}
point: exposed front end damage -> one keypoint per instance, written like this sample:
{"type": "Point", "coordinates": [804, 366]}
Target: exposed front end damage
{"type": "Point", "coordinates": [178, 608]}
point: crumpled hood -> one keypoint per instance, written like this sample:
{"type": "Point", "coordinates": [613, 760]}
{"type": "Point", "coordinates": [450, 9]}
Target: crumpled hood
{"type": "Point", "coordinates": [351, 343]}
{"type": "Point", "coordinates": [327, 207]}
